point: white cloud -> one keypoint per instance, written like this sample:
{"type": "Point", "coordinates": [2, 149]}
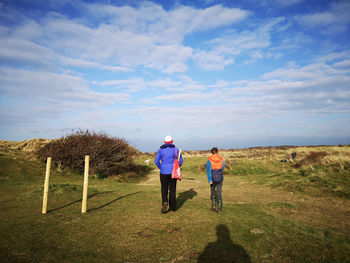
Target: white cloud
{"type": "Point", "coordinates": [334, 56]}
{"type": "Point", "coordinates": [275, 4]}
{"type": "Point", "coordinates": [309, 72]}
{"type": "Point", "coordinates": [311, 91]}
{"type": "Point", "coordinates": [258, 38]}
{"type": "Point", "coordinates": [169, 58]}
{"type": "Point", "coordinates": [166, 26]}
{"type": "Point", "coordinates": [90, 64]}
{"type": "Point", "coordinates": [127, 85]}
{"type": "Point", "coordinates": [331, 22]}
{"type": "Point", "coordinates": [287, 2]}
{"type": "Point", "coordinates": [211, 60]}
{"type": "Point", "coordinates": [124, 37]}
{"type": "Point", "coordinates": [147, 35]}
{"type": "Point", "coordinates": [225, 49]}
{"type": "Point", "coordinates": [209, 18]}
{"type": "Point", "coordinates": [43, 94]}
{"type": "Point", "coordinates": [29, 29]}
{"type": "Point", "coordinates": [18, 51]}
{"type": "Point", "coordinates": [192, 97]}
{"type": "Point", "coordinates": [164, 83]}
{"type": "Point", "coordinates": [105, 68]}
{"type": "Point", "coordinates": [342, 64]}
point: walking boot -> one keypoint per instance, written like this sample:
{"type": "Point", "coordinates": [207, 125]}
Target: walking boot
{"type": "Point", "coordinates": [213, 203]}
{"type": "Point", "coordinates": [165, 205]}
{"type": "Point", "coordinates": [219, 206]}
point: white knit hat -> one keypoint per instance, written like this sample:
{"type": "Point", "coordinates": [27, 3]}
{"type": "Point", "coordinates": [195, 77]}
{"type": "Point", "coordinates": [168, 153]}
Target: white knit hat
{"type": "Point", "coordinates": [168, 139]}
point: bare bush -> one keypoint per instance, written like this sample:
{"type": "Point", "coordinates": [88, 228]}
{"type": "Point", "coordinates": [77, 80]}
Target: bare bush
{"type": "Point", "coordinates": [108, 155]}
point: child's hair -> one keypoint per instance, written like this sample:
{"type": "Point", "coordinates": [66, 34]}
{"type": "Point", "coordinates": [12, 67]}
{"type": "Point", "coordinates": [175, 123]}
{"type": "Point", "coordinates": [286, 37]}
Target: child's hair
{"type": "Point", "coordinates": [214, 150]}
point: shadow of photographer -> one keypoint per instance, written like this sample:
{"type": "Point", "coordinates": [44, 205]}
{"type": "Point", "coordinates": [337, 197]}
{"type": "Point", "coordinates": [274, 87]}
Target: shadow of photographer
{"type": "Point", "coordinates": [184, 196]}
{"type": "Point", "coordinates": [223, 250]}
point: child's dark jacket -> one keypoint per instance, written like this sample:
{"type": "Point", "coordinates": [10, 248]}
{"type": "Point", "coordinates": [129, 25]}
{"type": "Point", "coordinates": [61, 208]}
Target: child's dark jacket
{"type": "Point", "coordinates": [215, 168]}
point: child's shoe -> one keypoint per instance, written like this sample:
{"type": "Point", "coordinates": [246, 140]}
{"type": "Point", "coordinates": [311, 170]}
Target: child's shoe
{"type": "Point", "coordinates": [213, 203]}
{"type": "Point", "coordinates": [219, 206]}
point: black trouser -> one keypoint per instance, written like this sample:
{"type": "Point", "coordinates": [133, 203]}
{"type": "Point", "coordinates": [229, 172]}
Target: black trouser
{"type": "Point", "coordinates": [167, 182]}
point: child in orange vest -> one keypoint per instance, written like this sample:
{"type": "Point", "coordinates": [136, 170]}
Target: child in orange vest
{"type": "Point", "coordinates": [215, 168]}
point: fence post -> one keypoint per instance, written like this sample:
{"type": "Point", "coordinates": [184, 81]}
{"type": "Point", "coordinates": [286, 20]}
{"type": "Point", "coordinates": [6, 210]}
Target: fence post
{"type": "Point", "coordinates": [46, 185]}
{"type": "Point", "coordinates": [85, 186]}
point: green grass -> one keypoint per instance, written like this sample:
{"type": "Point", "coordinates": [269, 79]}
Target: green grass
{"type": "Point", "coordinates": [249, 167]}
{"type": "Point", "coordinates": [261, 220]}
{"type": "Point", "coordinates": [315, 179]}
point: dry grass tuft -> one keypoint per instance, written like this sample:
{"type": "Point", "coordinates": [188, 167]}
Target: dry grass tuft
{"type": "Point", "coordinates": [312, 158]}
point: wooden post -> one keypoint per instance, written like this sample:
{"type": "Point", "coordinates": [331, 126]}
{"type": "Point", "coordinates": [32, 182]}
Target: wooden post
{"type": "Point", "coordinates": [85, 186]}
{"type": "Point", "coordinates": [46, 185]}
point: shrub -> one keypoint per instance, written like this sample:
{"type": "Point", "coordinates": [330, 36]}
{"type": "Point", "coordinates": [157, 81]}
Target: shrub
{"type": "Point", "coordinates": [108, 156]}
{"type": "Point", "coordinates": [312, 158]}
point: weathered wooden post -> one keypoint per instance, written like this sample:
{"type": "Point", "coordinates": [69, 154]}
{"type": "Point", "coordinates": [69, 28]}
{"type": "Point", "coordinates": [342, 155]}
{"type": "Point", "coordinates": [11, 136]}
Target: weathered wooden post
{"type": "Point", "coordinates": [85, 186]}
{"type": "Point", "coordinates": [46, 185]}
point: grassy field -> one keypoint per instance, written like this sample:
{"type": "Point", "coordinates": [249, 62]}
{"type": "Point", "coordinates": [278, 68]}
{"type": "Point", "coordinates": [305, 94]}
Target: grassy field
{"type": "Point", "coordinates": [273, 211]}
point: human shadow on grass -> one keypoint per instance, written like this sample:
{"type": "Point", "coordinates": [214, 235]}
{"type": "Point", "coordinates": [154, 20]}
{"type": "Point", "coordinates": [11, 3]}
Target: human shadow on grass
{"type": "Point", "coordinates": [184, 196]}
{"type": "Point", "coordinates": [111, 202]}
{"type": "Point", "coordinates": [223, 250]}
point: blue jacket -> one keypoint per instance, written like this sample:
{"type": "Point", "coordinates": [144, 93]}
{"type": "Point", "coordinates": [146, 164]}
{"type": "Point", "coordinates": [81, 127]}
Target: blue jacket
{"type": "Point", "coordinates": [165, 158]}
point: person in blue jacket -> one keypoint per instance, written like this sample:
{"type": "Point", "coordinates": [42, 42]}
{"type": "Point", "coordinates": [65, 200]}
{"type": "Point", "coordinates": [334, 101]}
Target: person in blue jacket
{"type": "Point", "coordinates": [215, 168]}
{"type": "Point", "coordinates": [164, 161]}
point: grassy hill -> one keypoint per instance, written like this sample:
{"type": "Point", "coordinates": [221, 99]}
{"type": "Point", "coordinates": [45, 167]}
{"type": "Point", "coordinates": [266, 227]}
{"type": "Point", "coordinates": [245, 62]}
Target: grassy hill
{"type": "Point", "coordinates": [293, 211]}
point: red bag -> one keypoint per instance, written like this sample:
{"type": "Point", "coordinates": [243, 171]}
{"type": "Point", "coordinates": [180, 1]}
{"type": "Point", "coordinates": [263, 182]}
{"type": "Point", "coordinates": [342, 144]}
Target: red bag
{"type": "Point", "coordinates": [176, 174]}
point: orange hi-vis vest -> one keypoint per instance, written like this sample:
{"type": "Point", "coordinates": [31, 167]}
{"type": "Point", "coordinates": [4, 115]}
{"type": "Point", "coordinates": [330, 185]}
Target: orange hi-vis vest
{"type": "Point", "coordinates": [216, 162]}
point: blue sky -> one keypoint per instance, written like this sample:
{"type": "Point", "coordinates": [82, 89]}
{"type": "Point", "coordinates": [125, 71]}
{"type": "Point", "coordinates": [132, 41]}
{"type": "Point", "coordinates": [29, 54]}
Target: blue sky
{"type": "Point", "coordinates": [209, 73]}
